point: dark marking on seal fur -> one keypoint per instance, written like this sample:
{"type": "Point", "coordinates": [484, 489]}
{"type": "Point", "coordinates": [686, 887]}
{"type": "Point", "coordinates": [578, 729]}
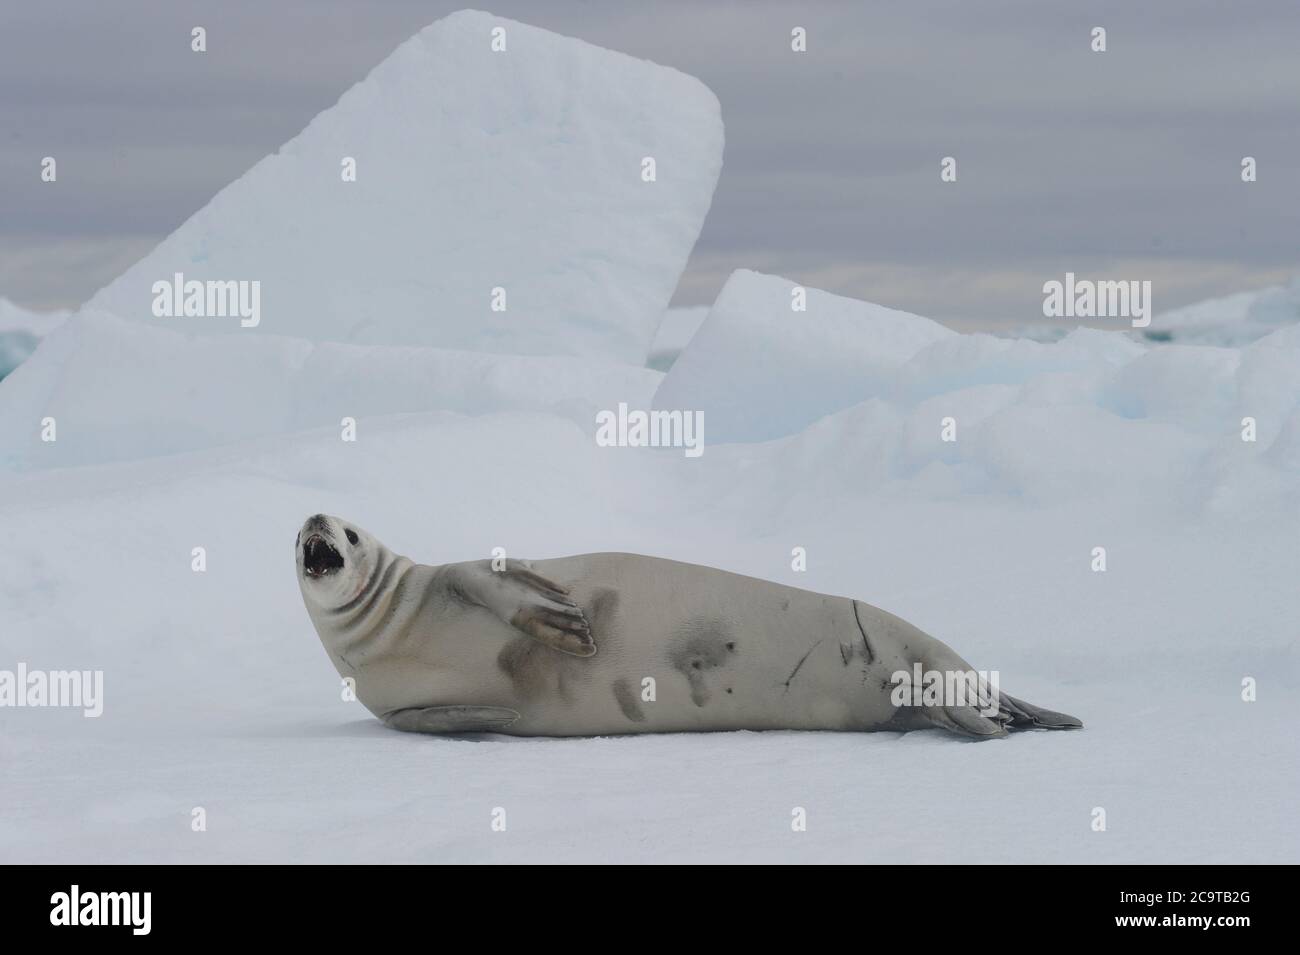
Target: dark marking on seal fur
{"type": "Point", "coordinates": [627, 700]}
{"type": "Point", "coordinates": [535, 669]}
{"type": "Point", "coordinates": [871, 654]}
{"type": "Point", "coordinates": [798, 666]}
{"type": "Point", "coordinates": [604, 605]}
{"type": "Point", "coordinates": [698, 646]}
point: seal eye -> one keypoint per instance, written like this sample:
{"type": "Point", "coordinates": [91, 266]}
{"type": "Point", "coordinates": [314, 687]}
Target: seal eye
{"type": "Point", "coordinates": [352, 536]}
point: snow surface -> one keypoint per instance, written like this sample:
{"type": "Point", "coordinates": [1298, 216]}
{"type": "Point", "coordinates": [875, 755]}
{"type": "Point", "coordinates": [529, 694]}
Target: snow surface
{"type": "Point", "coordinates": [21, 330]}
{"type": "Point", "coordinates": [197, 391]}
{"type": "Point", "coordinates": [476, 169]}
{"type": "Point", "coordinates": [1232, 320]}
{"type": "Point", "coordinates": [678, 327]}
{"type": "Point", "coordinates": [218, 694]}
{"type": "Point", "coordinates": [759, 369]}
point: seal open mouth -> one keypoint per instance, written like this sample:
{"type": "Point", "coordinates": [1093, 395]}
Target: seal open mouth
{"type": "Point", "coordinates": [319, 557]}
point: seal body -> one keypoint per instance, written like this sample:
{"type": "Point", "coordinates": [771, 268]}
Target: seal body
{"type": "Point", "coordinates": [679, 647]}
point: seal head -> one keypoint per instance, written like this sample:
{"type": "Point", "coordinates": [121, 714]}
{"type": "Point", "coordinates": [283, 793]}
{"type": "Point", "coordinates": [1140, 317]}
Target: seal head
{"type": "Point", "coordinates": [335, 560]}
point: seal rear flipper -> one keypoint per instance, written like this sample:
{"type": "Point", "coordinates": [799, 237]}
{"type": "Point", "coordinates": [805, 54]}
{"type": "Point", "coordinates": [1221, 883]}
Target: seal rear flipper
{"type": "Point", "coordinates": [964, 720]}
{"type": "Point", "coordinates": [451, 719]}
{"type": "Point", "coordinates": [1022, 715]}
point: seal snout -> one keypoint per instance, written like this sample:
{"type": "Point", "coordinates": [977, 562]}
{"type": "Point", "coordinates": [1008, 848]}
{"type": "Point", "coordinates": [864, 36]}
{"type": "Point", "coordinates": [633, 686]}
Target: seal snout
{"type": "Point", "coordinates": [317, 522]}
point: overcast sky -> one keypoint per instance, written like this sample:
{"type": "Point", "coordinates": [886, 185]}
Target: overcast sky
{"type": "Point", "coordinates": [1123, 164]}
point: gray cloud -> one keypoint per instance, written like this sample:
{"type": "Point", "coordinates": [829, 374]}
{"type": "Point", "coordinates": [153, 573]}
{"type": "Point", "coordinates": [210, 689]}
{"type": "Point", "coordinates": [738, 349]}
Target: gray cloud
{"type": "Point", "coordinates": [1126, 161]}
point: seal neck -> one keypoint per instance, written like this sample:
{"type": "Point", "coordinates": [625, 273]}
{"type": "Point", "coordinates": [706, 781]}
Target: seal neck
{"type": "Point", "coordinates": [376, 596]}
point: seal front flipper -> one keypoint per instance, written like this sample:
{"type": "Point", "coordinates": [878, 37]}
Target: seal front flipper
{"type": "Point", "coordinates": [527, 601]}
{"type": "Point", "coordinates": [451, 719]}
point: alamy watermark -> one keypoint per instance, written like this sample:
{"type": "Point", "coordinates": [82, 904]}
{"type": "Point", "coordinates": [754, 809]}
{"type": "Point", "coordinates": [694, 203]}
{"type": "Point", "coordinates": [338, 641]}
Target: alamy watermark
{"type": "Point", "coordinates": [1084, 298]}
{"type": "Point", "coordinates": [76, 907]}
{"type": "Point", "coordinates": [921, 687]}
{"type": "Point", "coordinates": [651, 429]}
{"type": "Point", "coordinates": [213, 298]}
{"type": "Point", "coordinates": [83, 689]}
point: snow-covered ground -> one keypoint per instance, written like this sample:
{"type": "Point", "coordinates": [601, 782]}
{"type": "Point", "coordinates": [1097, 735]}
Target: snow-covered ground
{"type": "Point", "coordinates": [678, 327]}
{"type": "Point", "coordinates": [218, 695]}
{"type": "Point", "coordinates": [21, 330]}
{"type": "Point", "coordinates": [1234, 319]}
